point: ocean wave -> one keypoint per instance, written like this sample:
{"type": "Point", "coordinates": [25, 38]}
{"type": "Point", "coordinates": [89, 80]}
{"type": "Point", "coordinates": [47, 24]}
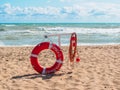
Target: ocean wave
{"type": "Point", "coordinates": [79, 30]}
{"type": "Point", "coordinates": [89, 30]}
{"type": "Point", "coordinates": [51, 29]}
{"type": "Point", "coordinates": [9, 25]}
{"type": "Point", "coordinates": [1, 43]}
{"type": "Point", "coordinates": [32, 34]}
{"type": "Point", "coordinates": [1, 29]}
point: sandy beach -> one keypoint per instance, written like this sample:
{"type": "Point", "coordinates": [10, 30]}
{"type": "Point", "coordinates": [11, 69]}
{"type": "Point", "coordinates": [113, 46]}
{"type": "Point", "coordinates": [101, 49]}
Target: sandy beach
{"type": "Point", "coordinates": [99, 69]}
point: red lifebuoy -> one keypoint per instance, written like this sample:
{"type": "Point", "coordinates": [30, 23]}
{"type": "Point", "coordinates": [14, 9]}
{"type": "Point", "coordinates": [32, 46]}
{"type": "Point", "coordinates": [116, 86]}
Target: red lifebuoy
{"type": "Point", "coordinates": [73, 46]}
{"type": "Point", "coordinates": [46, 70]}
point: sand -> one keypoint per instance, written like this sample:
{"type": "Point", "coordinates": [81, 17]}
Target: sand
{"type": "Point", "coordinates": [99, 69]}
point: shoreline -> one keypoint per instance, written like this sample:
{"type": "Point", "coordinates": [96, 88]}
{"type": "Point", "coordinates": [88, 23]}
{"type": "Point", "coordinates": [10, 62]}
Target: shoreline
{"type": "Point", "coordinates": [112, 44]}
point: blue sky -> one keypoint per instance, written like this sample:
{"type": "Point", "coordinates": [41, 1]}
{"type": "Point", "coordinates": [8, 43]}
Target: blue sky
{"type": "Point", "coordinates": [72, 11]}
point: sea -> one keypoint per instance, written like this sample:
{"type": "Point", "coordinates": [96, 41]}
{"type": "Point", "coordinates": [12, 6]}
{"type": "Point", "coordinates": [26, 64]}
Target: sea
{"type": "Point", "coordinates": [31, 34]}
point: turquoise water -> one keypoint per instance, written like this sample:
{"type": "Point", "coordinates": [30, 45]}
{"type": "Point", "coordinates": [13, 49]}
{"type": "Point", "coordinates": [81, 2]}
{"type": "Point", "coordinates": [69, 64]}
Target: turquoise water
{"type": "Point", "coordinates": [33, 33]}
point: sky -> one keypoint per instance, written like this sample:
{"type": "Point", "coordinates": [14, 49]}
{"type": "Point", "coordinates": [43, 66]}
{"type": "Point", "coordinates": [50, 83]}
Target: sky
{"type": "Point", "coordinates": [59, 11]}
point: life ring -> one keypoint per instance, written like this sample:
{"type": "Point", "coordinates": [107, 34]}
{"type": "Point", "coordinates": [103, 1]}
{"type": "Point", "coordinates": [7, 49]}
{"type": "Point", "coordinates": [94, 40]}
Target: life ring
{"type": "Point", "coordinates": [73, 46]}
{"type": "Point", "coordinates": [34, 58]}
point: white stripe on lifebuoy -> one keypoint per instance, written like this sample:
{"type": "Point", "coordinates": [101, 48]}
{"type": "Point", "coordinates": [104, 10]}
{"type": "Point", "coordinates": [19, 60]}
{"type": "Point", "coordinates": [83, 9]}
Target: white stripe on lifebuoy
{"type": "Point", "coordinates": [34, 55]}
{"type": "Point", "coordinates": [59, 61]}
{"type": "Point", "coordinates": [50, 46]}
{"type": "Point", "coordinates": [44, 70]}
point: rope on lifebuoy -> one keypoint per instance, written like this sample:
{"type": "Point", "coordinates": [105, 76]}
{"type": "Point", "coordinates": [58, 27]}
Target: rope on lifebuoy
{"type": "Point", "coordinates": [34, 58]}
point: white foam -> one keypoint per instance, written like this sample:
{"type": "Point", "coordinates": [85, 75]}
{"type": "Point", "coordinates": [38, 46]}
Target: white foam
{"type": "Point", "coordinates": [7, 25]}
{"type": "Point", "coordinates": [1, 43]}
{"type": "Point", "coordinates": [92, 44]}
{"type": "Point", "coordinates": [80, 30]}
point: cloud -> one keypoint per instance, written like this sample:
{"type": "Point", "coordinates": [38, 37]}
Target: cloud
{"type": "Point", "coordinates": [5, 9]}
{"type": "Point", "coordinates": [98, 10]}
{"type": "Point", "coordinates": [66, 0]}
{"type": "Point", "coordinates": [9, 10]}
{"type": "Point", "coordinates": [71, 1]}
{"type": "Point", "coordinates": [77, 11]}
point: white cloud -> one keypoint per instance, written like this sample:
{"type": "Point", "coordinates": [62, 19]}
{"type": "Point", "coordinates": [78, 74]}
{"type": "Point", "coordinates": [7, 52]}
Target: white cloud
{"type": "Point", "coordinates": [84, 10]}
{"type": "Point", "coordinates": [6, 9]}
{"type": "Point", "coordinates": [71, 1]}
{"type": "Point", "coordinates": [66, 0]}
{"type": "Point", "coordinates": [98, 9]}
